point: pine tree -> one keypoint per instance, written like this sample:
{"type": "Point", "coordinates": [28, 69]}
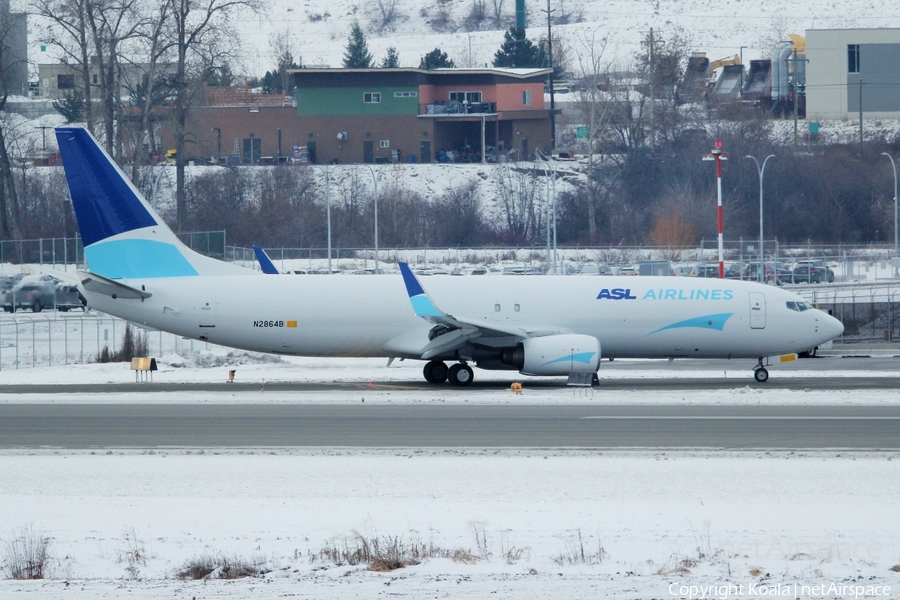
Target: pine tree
{"type": "Point", "coordinates": [518, 51]}
{"type": "Point", "coordinates": [71, 106]}
{"type": "Point", "coordinates": [357, 55]}
{"type": "Point", "coordinates": [391, 60]}
{"type": "Point", "coordinates": [436, 60]}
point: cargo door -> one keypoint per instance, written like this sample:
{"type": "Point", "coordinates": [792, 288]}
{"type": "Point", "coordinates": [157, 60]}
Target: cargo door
{"type": "Point", "coordinates": [757, 310]}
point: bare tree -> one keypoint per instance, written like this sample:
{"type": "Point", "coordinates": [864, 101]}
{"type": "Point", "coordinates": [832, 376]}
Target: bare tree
{"type": "Point", "coordinates": [10, 209]}
{"type": "Point", "coordinates": [112, 23]}
{"type": "Point", "coordinates": [157, 42]}
{"type": "Point", "coordinates": [197, 25]}
{"type": "Point", "coordinates": [388, 10]}
{"type": "Point", "coordinates": [597, 106]}
{"type": "Point", "coordinates": [71, 34]}
{"type": "Point", "coordinates": [498, 13]}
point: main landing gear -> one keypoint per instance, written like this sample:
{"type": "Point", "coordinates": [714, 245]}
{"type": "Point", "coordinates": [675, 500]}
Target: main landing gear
{"type": "Point", "coordinates": [759, 372]}
{"type": "Point", "coordinates": [459, 374]}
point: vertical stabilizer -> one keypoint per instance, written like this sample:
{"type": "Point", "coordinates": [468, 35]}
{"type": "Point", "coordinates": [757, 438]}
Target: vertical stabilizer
{"type": "Point", "coordinates": [123, 236]}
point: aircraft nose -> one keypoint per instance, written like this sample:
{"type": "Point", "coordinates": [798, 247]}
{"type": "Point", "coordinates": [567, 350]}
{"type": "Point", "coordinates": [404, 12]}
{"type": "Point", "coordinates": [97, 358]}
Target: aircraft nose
{"type": "Point", "coordinates": [832, 327]}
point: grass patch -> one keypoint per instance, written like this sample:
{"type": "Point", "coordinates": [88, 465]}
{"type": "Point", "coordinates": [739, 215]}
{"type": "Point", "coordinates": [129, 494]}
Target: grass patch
{"type": "Point", "coordinates": [387, 553]}
{"type": "Point", "coordinates": [222, 566]}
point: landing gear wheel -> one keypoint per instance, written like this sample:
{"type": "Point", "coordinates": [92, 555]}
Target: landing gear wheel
{"type": "Point", "coordinates": [435, 372]}
{"type": "Point", "coordinates": [761, 375]}
{"type": "Point", "coordinates": [461, 374]}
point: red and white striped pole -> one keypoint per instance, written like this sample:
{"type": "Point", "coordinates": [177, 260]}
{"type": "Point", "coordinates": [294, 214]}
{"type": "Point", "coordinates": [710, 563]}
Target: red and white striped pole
{"type": "Point", "coordinates": [718, 155]}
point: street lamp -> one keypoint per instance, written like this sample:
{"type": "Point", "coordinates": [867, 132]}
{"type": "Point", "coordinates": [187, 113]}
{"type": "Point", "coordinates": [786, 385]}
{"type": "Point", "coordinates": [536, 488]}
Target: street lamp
{"type": "Point", "coordinates": [375, 186]}
{"type": "Point", "coordinates": [894, 166]}
{"type": "Point", "coordinates": [328, 212]}
{"type": "Point", "coordinates": [551, 212]}
{"type": "Point", "coordinates": [761, 171]}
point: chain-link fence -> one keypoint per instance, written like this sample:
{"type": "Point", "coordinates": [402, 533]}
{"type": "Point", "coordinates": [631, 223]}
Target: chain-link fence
{"type": "Point", "coordinates": [49, 338]}
{"type": "Point", "coordinates": [869, 312]}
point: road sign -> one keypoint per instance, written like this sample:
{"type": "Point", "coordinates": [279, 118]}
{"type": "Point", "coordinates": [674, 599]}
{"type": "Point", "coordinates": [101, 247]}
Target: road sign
{"type": "Point", "coordinates": [581, 133]}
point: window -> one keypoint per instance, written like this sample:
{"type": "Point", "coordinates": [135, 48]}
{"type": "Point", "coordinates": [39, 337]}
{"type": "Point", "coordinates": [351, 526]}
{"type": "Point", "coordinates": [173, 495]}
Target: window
{"type": "Point", "coordinates": [65, 82]}
{"type": "Point", "coordinates": [406, 94]}
{"type": "Point", "coordinates": [372, 97]}
{"type": "Point", "coordinates": [467, 97]}
{"type": "Point", "coordinates": [853, 58]}
{"type": "Point", "coordinates": [526, 97]}
{"type": "Point", "coordinates": [384, 143]}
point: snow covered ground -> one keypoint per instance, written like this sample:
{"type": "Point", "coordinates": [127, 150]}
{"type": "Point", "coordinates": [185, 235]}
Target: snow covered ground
{"type": "Point", "coordinates": [521, 523]}
{"type": "Point", "coordinates": [532, 524]}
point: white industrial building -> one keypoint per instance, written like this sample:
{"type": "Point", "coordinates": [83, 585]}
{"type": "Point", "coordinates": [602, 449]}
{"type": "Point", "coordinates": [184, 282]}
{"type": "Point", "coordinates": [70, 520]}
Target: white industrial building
{"type": "Point", "coordinates": [849, 67]}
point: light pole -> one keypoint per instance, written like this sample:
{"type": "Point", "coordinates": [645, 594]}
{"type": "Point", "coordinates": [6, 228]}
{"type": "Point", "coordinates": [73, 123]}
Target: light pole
{"type": "Point", "coordinates": [761, 171]}
{"type": "Point", "coordinates": [551, 212]}
{"type": "Point", "coordinates": [894, 167]}
{"type": "Point", "coordinates": [718, 155]}
{"type": "Point", "coordinates": [375, 186]}
{"type": "Point", "coordinates": [328, 213]}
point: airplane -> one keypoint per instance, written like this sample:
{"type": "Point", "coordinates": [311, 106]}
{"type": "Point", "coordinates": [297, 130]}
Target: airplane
{"type": "Point", "coordinates": [137, 269]}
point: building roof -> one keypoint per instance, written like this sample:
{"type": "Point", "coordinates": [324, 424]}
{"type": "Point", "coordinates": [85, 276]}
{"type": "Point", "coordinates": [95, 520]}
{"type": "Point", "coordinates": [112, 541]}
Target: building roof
{"type": "Point", "coordinates": [507, 72]}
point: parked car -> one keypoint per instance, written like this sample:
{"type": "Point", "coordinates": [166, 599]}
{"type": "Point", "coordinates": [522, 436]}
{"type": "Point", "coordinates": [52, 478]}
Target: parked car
{"type": "Point", "coordinates": [595, 270]}
{"type": "Point", "coordinates": [34, 292]}
{"type": "Point", "coordinates": [736, 270]}
{"type": "Point", "coordinates": [812, 271]}
{"type": "Point", "coordinates": [710, 271]}
{"type": "Point", "coordinates": [784, 273]}
{"type": "Point", "coordinates": [627, 271]}
{"type": "Point", "coordinates": [768, 274]}
{"type": "Point", "coordinates": [67, 298]}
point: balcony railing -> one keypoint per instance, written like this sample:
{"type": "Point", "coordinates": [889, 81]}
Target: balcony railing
{"type": "Point", "coordinates": [453, 107]}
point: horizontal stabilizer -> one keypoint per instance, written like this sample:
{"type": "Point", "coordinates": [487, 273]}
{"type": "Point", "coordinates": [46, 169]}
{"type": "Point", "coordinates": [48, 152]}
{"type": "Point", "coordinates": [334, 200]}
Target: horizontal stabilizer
{"type": "Point", "coordinates": [101, 285]}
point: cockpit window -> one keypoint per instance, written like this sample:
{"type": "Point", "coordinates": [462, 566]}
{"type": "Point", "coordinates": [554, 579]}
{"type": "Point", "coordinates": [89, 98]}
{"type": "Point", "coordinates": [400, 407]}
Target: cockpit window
{"type": "Point", "coordinates": [798, 306]}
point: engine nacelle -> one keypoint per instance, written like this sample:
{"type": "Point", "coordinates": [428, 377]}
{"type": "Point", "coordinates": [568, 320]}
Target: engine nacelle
{"type": "Point", "coordinates": [555, 355]}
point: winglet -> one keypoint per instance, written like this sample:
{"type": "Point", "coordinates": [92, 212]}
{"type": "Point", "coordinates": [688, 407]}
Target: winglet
{"type": "Point", "coordinates": [265, 262]}
{"type": "Point", "coordinates": [421, 303]}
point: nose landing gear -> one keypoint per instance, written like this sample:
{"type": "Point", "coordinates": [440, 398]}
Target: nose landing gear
{"type": "Point", "coordinates": [759, 372]}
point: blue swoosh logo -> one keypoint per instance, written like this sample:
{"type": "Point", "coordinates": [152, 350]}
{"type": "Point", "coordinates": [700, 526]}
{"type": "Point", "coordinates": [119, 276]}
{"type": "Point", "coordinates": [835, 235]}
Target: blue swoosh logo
{"type": "Point", "coordinates": [716, 322]}
{"type": "Point", "coordinates": [581, 357]}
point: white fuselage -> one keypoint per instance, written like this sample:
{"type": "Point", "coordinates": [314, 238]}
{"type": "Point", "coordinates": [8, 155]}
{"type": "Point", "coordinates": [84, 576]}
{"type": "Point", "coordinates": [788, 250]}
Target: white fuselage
{"type": "Point", "coordinates": [322, 315]}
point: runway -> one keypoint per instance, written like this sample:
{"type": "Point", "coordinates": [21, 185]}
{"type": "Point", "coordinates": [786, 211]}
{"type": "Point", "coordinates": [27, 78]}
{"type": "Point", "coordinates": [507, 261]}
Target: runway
{"type": "Point", "coordinates": [428, 426]}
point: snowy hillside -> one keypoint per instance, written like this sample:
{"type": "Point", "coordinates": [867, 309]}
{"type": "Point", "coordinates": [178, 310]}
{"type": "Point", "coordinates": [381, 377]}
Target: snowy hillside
{"type": "Point", "coordinates": [720, 28]}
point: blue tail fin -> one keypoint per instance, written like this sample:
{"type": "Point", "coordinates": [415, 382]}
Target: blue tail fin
{"type": "Point", "coordinates": [123, 236]}
{"type": "Point", "coordinates": [265, 263]}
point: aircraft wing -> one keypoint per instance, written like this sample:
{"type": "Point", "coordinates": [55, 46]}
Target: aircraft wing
{"type": "Point", "coordinates": [453, 331]}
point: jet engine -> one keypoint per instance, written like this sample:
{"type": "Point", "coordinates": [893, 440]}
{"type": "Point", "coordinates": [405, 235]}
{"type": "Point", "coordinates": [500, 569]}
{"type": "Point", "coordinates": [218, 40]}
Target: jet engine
{"type": "Point", "coordinates": [555, 355]}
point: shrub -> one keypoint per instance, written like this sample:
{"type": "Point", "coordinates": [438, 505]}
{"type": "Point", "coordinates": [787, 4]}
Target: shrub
{"type": "Point", "coordinates": [27, 555]}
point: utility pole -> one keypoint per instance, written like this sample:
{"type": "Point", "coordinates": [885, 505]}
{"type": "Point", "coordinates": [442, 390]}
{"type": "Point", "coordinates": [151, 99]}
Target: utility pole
{"type": "Point", "coordinates": [550, 61]}
{"type": "Point", "coordinates": [652, 98]}
{"type": "Point", "coordinates": [860, 114]}
{"type": "Point", "coordinates": [796, 92]}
